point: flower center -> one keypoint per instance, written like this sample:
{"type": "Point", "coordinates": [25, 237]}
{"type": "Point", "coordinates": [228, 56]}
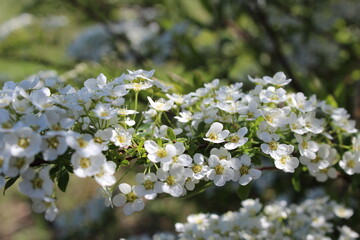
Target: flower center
{"type": "Point", "coordinates": [350, 164]}
{"type": "Point", "coordinates": [20, 162]}
{"type": "Point", "coordinates": [234, 139]}
{"type": "Point", "coordinates": [244, 170]}
{"type": "Point", "coordinates": [219, 169]}
{"type": "Point", "coordinates": [6, 125]}
{"type": "Point", "coordinates": [213, 136]}
{"type": "Point", "coordinates": [282, 160]}
{"type": "Point", "coordinates": [121, 138]}
{"type": "Point", "coordinates": [149, 185]}
{"type": "Point", "coordinates": [37, 182]}
{"type": "Point", "coordinates": [170, 180]}
{"type": "Point", "coordinates": [196, 168]}
{"type": "Point", "coordinates": [104, 114]}
{"type": "Point", "coordinates": [53, 142]}
{"type": "Point", "coordinates": [85, 162]}
{"type": "Point", "coordinates": [98, 140]}
{"type": "Point", "coordinates": [131, 197]}
{"type": "Point", "coordinates": [161, 153]}
{"type": "Point", "coordinates": [273, 145]}
{"type": "Point", "coordinates": [82, 143]}
{"type": "Point", "coordinates": [24, 142]}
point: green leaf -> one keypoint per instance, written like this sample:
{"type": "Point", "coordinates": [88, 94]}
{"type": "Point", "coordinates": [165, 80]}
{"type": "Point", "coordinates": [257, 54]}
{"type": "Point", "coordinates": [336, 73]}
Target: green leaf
{"type": "Point", "coordinates": [53, 171]}
{"type": "Point", "coordinates": [9, 183]}
{"type": "Point", "coordinates": [170, 134]}
{"type": "Point", "coordinates": [243, 191]}
{"type": "Point", "coordinates": [295, 180]}
{"type": "Point", "coordinates": [63, 179]}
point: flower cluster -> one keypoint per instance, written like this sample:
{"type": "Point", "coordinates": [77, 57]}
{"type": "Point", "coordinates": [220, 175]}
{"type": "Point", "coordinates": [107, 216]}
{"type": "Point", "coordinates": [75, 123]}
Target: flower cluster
{"type": "Point", "coordinates": [313, 219]}
{"type": "Point", "coordinates": [216, 134]}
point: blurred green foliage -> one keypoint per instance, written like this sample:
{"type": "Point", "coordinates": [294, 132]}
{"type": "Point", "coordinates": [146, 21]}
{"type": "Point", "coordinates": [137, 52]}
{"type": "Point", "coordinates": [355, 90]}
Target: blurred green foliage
{"type": "Point", "coordinates": [189, 42]}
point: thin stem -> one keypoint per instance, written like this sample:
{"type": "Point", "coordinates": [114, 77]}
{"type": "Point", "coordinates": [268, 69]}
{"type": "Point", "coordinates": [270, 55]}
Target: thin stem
{"type": "Point", "coordinates": [167, 118]}
{"type": "Point", "coordinates": [121, 178]}
{"type": "Point", "coordinates": [136, 102]}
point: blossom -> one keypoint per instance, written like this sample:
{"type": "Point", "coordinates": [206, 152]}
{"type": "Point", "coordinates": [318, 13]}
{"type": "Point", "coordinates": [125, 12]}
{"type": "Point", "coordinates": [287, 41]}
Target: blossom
{"type": "Point", "coordinates": [236, 139]}
{"type": "Point", "coordinates": [146, 185]}
{"type": "Point", "coordinates": [285, 161]}
{"type": "Point", "coordinates": [279, 79]}
{"type": "Point", "coordinates": [159, 154]}
{"type": "Point", "coordinates": [220, 170]}
{"type": "Point", "coordinates": [36, 184]}
{"type": "Point", "coordinates": [172, 181]}
{"type": "Point", "coordinates": [215, 134]}
{"type": "Point", "coordinates": [128, 199]}
{"type": "Point", "coordinates": [244, 173]}
{"type": "Point", "coordinates": [350, 163]}
{"type": "Point", "coordinates": [161, 104]}
{"type": "Point", "coordinates": [23, 142]}
{"type": "Point", "coordinates": [105, 176]}
{"type": "Point", "coordinates": [87, 166]}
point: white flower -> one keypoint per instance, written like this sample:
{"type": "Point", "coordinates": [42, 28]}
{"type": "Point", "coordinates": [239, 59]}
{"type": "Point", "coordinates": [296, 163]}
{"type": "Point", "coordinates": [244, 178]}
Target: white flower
{"type": "Point", "coordinates": [102, 138]}
{"type": "Point", "coordinates": [215, 134]}
{"type": "Point", "coordinates": [18, 165]}
{"type": "Point", "coordinates": [172, 181]}
{"type": "Point", "coordinates": [322, 160]}
{"type": "Point", "coordinates": [159, 154]}
{"type": "Point", "coordinates": [128, 199]}
{"type": "Point", "coordinates": [276, 117]}
{"type": "Point", "coordinates": [185, 117]}
{"type": "Point", "coordinates": [83, 144]}
{"type": "Point", "coordinates": [138, 86]}
{"type": "Point", "coordinates": [104, 111]}
{"type": "Point", "coordinates": [279, 79]}
{"type": "Point", "coordinates": [307, 148]}
{"type": "Point", "coordinates": [161, 104]}
{"type": "Point", "coordinates": [347, 234]}
{"type": "Point", "coordinates": [350, 163]}
{"type": "Point", "coordinates": [295, 124]}
{"type": "Point", "coordinates": [272, 94]}
{"type": "Point", "coordinates": [146, 185]}
{"type": "Point", "coordinates": [236, 139]}
{"type": "Point", "coordinates": [87, 166]}
{"type": "Point", "coordinates": [342, 212]}
{"type": "Point", "coordinates": [221, 153]}
{"type": "Point", "coordinates": [53, 145]}
{"type": "Point", "coordinates": [310, 123]}
{"type": "Point", "coordinates": [105, 176]}
{"type": "Point", "coordinates": [141, 74]}
{"type": "Point", "coordinates": [46, 205]}
{"type": "Point", "coordinates": [272, 146]}
{"type": "Point", "coordinates": [286, 162]}
{"type": "Point", "coordinates": [122, 137]}
{"type": "Point", "coordinates": [179, 158]}
{"type": "Point", "coordinates": [36, 184]}
{"type": "Point", "coordinates": [23, 142]}
{"type": "Point", "coordinates": [244, 173]}
{"type": "Point", "coordinates": [220, 170]}
{"type": "Point", "coordinates": [303, 105]}
{"type": "Point", "coordinates": [199, 169]}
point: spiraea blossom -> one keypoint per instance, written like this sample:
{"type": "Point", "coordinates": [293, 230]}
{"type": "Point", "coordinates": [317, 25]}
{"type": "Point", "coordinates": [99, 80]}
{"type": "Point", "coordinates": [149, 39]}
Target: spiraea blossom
{"type": "Point", "coordinates": [174, 144]}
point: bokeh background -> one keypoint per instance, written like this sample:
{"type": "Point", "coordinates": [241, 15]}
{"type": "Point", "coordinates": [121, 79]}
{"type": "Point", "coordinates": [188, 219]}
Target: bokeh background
{"type": "Point", "coordinates": [188, 42]}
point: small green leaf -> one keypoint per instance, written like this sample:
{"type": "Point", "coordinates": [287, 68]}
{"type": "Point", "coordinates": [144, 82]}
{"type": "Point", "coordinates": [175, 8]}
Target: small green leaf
{"type": "Point", "coordinates": [9, 183]}
{"type": "Point", "coordinates": [170, 133]}
{"type": "Point", "coordinates": [53, 171]}
{"type": "Point", "coordinates": [63, 179]}
{"type": "Point", "coordinates": [125, 163]}
{"type": "Point", "coordinates": [243, 191]}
